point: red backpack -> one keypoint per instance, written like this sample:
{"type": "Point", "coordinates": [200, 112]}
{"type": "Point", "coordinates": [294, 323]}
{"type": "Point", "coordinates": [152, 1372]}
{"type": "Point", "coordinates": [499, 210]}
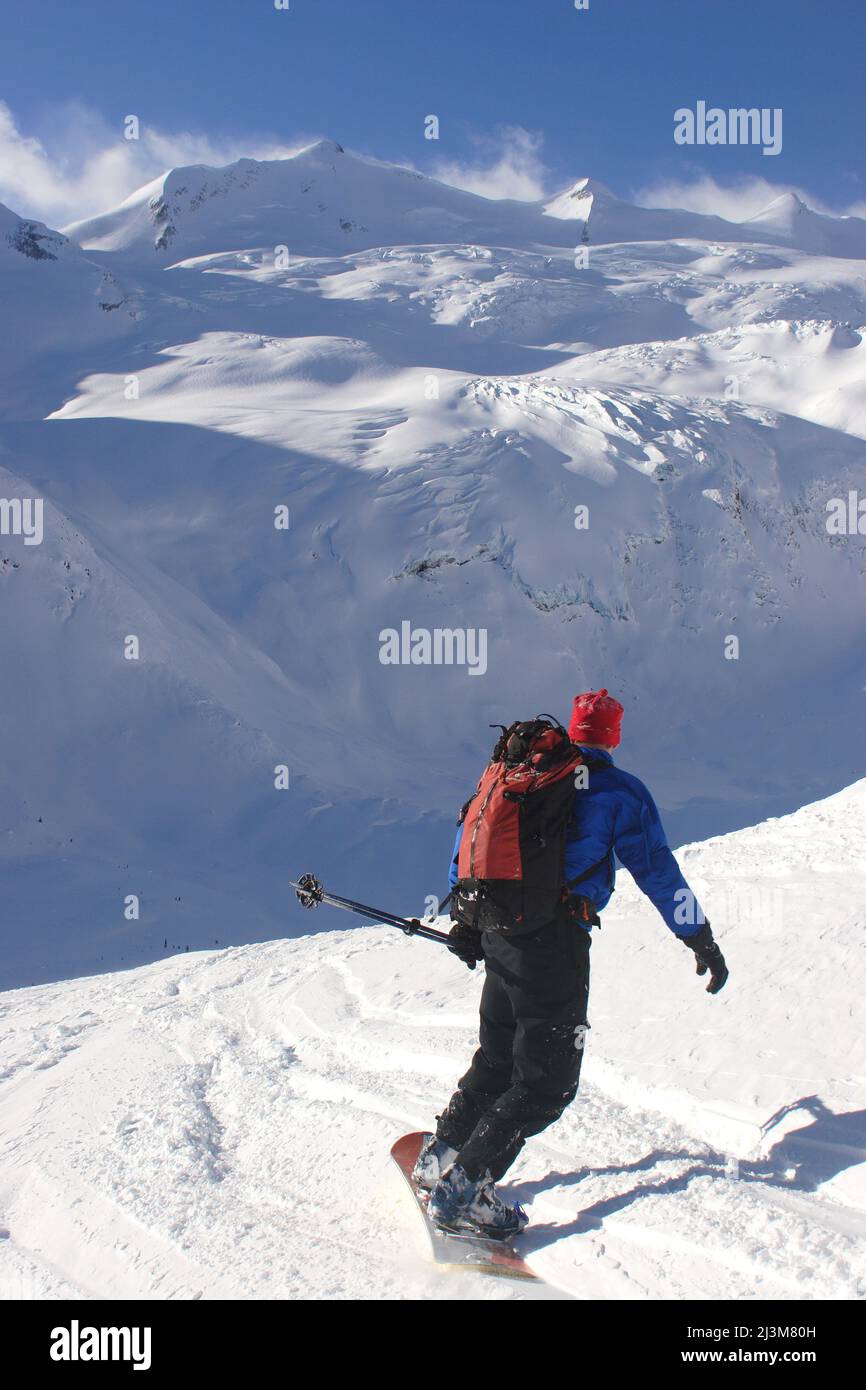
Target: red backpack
{"type": "Point", "coordinates": [512, 852]}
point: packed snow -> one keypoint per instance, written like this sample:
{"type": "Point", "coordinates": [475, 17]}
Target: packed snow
{"type": "Point", "coordinates": [217, 1125]}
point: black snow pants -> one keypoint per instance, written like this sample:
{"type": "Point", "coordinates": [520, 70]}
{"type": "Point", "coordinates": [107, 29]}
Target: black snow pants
{"type": "Point", "coordinates": [533, 1030]}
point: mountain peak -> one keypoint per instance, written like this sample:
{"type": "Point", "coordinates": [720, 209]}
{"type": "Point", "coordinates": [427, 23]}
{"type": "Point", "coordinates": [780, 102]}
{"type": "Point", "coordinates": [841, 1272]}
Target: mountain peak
{"type": "Point", "coordinates": [30, 238]}
{"type": "Point", "coordinates": [786, 205]}
{"type": "Point", "coordinates": [578, 200]}
{"type": "Point", "coordinates": [323, 147]}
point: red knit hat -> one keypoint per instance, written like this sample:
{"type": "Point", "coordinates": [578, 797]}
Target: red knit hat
{"type": "Point", "coordinates": [595, 718]}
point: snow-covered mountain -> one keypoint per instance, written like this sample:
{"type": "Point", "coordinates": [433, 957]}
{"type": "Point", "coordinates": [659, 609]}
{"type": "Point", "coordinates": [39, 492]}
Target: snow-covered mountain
{"type": "Point", "coordinates": [431, 382]}
{"type": "Point", "coordinates": [329, 200]}
{"type": "Point", "coordinates": [325, 199]}
{"type": "Point", "coordinates": [217, 1125]}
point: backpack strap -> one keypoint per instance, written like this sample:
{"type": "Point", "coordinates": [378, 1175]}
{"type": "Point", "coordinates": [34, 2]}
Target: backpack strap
{"type": "Point", "coordinates": [587, 873]}
{"type": "Point", "coordinates": [590, 919]}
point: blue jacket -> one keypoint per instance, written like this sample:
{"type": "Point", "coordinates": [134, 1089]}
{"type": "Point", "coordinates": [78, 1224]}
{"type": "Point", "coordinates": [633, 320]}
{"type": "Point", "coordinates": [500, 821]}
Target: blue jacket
{"type": "Point", "coordinates": [615, 815]}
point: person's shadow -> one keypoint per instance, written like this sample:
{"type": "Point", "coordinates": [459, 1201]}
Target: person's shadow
{"type": "Point", "coordinates": [802, 1160]}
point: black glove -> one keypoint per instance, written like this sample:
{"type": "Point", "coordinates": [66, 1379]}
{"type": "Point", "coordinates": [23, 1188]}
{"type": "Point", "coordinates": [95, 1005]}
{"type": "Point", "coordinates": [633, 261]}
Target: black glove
{"type": "Point", "coordinates": [465, 944]}
{"type": "Point", "coordinates": [708, 957]}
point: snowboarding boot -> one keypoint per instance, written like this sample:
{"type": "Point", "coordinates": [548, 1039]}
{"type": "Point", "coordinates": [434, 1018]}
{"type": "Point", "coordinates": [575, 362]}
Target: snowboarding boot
{"type": "Point", "coordinates": [433, 1161]}
{"type": "Point", "coordinates": [459, 1203]}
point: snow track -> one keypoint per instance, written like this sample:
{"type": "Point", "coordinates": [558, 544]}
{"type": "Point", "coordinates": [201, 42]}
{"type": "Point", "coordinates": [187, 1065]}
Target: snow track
{"type": "Point", "coordinates": [218, 1125]}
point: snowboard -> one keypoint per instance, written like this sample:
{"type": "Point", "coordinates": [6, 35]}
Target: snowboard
{"type": "Point", "coordinates": [460, 1249]}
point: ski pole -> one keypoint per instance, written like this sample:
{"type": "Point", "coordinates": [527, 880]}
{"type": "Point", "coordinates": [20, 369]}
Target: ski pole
{"type": "Point", "coordinates": [309, 893]}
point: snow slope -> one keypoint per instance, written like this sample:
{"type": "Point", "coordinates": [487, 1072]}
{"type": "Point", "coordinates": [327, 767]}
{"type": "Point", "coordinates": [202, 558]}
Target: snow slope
{"type": "Point", "coordinates": [431, 389]}
{"type": "Point", "coordinates": [217, 1125]}
{"type": "Point", "coordinates": [55, 304]}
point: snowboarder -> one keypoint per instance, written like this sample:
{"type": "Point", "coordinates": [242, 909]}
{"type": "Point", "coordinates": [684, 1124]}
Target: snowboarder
{"type": "Point", "coordinates": [533, 1012]}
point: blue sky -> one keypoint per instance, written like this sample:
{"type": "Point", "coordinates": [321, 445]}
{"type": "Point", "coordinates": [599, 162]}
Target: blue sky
{"type": "Point", "coordinates": [530, 94]}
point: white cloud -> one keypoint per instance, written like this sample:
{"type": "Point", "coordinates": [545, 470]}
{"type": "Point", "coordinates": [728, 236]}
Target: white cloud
{"type": "Point", "coordinates": [743, 198]}
{"type": "Point", "coordinates": [80, 165]}
{"type": "Point", "coordinates": [509, 166]}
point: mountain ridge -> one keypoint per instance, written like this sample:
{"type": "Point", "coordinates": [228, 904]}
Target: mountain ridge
{"type": "Point", "coordinates": [162, 214]}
